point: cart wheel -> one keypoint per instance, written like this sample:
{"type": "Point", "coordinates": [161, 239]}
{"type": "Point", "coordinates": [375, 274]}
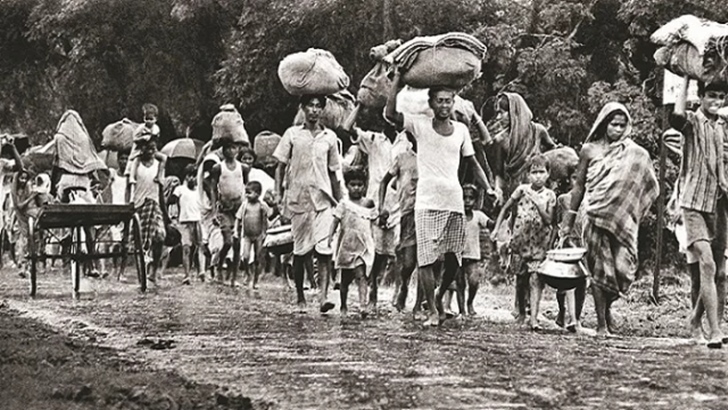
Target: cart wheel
{"type": "Point", "coordinates": [139, 253]}
{"type": "Point", "coordinates": [32, 256]}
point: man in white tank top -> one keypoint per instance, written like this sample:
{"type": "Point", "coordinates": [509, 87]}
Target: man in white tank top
{"type": "Point", "coordinates": [145, 195]}
{"type": "Point", "coordinates": [228, 186]}
{"type": "Point", "coordinates": [439, 209]}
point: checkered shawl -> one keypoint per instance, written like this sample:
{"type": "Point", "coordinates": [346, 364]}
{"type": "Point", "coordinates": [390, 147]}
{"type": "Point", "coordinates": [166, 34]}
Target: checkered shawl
{"type": "Point", "coordinates": [438, 233]}
{"type": "Point", "coordinates": [152, 223]}
{"type": "Point", "coordinates": [621, 186]}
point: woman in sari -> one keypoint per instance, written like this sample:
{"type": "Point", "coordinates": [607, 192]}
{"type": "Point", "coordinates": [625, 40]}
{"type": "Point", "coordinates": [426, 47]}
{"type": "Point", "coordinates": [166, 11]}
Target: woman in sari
{"type": "Point", "coordinates": [516, 138]}
{"type": "Point", "coordinates": [615, 188]}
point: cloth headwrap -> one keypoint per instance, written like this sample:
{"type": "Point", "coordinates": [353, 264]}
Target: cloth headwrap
{"type": "Point", "coordinates": [43, 183]}
{"type": "Point", "coordinates": [523, 142]}
{"type": "Point", "coordinates": [604, 113]}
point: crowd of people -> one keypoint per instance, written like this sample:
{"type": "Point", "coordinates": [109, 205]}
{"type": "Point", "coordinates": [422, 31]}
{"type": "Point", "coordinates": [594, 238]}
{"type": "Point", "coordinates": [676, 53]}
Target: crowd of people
{"type": "Point", "coordinates": [409, 205]}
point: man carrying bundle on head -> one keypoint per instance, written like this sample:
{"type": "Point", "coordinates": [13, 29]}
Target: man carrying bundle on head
{"type": "Point", "coordinates": [308, 159]}
{"type": "Point", "coordinates": [439, 223]}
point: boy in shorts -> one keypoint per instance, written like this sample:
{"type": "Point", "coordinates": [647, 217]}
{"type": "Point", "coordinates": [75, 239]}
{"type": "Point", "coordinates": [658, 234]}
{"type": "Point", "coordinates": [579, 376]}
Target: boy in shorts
{"type": "Point", "coordinates": [188, 198]}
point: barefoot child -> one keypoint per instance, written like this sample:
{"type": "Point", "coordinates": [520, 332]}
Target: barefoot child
{"type": "Point", "coordinates": [251, 223]}
{"type": "Point", "coordinates": [404, 170]}
{"type": "Point", "coordinates": [471, 271]}
{"type": "Point", "coordinates": [574, 297]}
{"type": "Point", "coordinates": [355, 247]}
{"type": "Point", "coordinates": [188, 198]}
{"type": "Point", "coordinates": [229, 179]}
{"type": "Point", "coordinates": [23, 200]}
{"type": "Point", "coordinates": [534, 205]}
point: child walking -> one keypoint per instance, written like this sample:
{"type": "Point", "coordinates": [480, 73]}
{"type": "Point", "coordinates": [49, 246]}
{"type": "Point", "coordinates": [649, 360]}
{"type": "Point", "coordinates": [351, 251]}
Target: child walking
{"type": "Point", "coordinates": [355, 245]}
{"type": "Point", "coordinates": [188, 198]}
{"type": "Point", "coordinates": [574, 297]}
{"type": "Point", "coordinates": [472, 269]}
{"type": "Point", "coordinates": [229, 177]}
{"type": "Point", "coordinates": [534, 205]}
{"type": "Point", "coordinates": [251, 223]}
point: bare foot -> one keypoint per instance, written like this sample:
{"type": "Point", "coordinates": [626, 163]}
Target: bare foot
{"type": "Point", "coordinates": [471, 311]}
{"type": "Point", "coordinates": [535, 326]}
{"type": "Point", "coordinates": [418, 315]}
{"type": "Point", "coordinates": [520, 319]}
{"type": "Point", "coordinates": [433, 320]}
{"type": "Point", "coordinates": [603, 332]}
{"type": "Point", "coordinates": [697, 335]}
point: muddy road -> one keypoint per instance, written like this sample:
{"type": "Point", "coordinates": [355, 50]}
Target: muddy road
{"type": "Point", "coordinates": [257, 345]}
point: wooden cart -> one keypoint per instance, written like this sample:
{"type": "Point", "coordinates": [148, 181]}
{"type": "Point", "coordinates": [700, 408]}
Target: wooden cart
{"type": "Point", "coordinates": [79, 219]}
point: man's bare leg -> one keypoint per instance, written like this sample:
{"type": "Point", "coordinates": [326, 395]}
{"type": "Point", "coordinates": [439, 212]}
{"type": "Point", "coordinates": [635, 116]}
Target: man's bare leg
{"type": "Point", "coordinates": [426, 278]}
{"type": "Point", "coordinates": [380, 263]}
{"type": "Point", "coordinates": [298, 276]}
{"type": "Point", "coordinates": [408, 263]}
{"type": "Point", "coordinates": [324, 267]}
{"type": "Point", "coordinates": [448, 275]}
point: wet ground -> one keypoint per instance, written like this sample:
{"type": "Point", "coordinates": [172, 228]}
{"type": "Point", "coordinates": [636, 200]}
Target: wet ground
{"type": "Point", "coordinates": [257, 345]}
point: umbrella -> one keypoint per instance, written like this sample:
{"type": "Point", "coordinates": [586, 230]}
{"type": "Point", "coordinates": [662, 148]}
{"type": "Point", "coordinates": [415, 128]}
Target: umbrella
{"type": "Point", "coordinates": [183, 148]}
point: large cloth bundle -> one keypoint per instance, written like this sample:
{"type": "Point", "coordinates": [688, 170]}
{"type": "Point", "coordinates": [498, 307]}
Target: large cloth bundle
{"type": "Point", "coordinates": [313, 71]}
{"type": "Point", "coordinates": [562, 162]}
{"type": "Point", "coordinates": [338, 108]}
{"type": "Point", "coordinates": [228, 123]}
{"type": "Point", "coordinates": [693, 47]}
{"type": "Point", "coordinates": [37, 160]}
{"type": "Point", "coordinates": [264, 144]}
{"type": "Point", "coordinates": [75, 152]}
{"type": "Point", "coordinates": [452, 60]}
{"type": "Point", "coordinates": [118, 136]}
{"type": "Point", "coordinates": [376, 84]}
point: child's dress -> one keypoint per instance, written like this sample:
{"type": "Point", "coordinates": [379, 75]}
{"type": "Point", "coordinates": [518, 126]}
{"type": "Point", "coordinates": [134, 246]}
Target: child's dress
{"type": "Point", "coordinates": [531, 235]}
{"type": "Point", "coordinates": [355, 245]}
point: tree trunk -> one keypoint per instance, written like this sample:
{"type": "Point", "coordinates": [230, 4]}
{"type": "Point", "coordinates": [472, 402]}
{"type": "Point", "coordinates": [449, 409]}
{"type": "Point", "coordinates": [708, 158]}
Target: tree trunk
{"type": "Point", "coordinates": [388, 16]}
{"type": "Point", "coordinates": [536, 6]}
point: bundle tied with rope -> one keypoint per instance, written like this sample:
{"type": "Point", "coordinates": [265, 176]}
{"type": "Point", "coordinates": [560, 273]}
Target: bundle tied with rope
{"type": "Point", "coordinates": [693, 47]}
{"type": "Point", "coordinates": [452, 60]}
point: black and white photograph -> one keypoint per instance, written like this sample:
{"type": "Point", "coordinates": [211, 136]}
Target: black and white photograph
{"type": "Point", "coordinates": [363, 204]}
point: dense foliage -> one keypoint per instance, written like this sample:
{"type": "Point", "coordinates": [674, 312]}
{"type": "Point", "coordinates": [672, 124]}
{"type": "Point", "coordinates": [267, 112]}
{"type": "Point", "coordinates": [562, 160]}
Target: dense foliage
{"type": "Point", "coordinates": [105, 58]}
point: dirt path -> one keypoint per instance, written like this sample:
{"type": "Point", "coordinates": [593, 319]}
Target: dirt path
{"type": "Point", "coordinates": [257, 345]}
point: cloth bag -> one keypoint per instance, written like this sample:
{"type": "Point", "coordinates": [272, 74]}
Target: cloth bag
{"type": "Point", "coordinates": [314, 71]}
{"type": "Point", "coordinates": [451, 60]}
{"type": "Point", "coordinates": [228, 123]}
{"type": "Point", "coordinates": [118, 136]}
